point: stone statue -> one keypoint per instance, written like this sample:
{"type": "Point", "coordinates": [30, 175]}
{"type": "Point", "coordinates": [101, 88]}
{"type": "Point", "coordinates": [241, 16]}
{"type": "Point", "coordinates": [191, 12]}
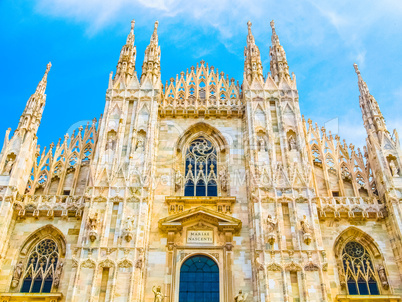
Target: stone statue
{"type": "Point", "coordinates": [383, 276]}
{"type": "Point", "coordinates": [178, 180]}
{"type": "Point", "coordinates": [128, 228]}
{"type": "Point", "coordinates": [110, 144]}
{"type": "Point", "coordinates": [240, 297]}
{"type": "Point", "coordinates": [157, 293]}
{"type": "Point", "coordinates": [17, 274]}
{"type": "Point", "coordinates": [93, 220]}
{"type": "Point", "coordinates": [272, 223]}
{"type": "Point", "coordinates": [92, 225]}
{"type": "Point", "coordinates": [8, 167]}
{"type": "Point", "coordinates": [305, 225]}
{"type": "Point", "coordinates": [394, 169]}
{"type": "Point", "coordinates": [140, 145]}
{"type": "Point", "coordinates": [223, 180]}
{"type": "Point", "coordinates": [292, 143]}
{"type": "Point", "coordinates": [261, 144]}
{"type": "Point", "coordinates": [57, 273]}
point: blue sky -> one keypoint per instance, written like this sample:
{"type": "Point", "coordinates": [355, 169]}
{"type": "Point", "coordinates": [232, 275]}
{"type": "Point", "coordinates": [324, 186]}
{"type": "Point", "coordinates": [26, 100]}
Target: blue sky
{"type": "Point", "coordinates": [82, 39]}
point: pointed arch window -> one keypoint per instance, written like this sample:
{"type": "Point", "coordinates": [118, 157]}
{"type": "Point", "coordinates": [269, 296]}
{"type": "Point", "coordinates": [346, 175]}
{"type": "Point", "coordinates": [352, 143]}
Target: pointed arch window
{"type": "Point", "coordinates": [201, 169]}
{"type": "Point", "coordinates": [40, 270]}
{"type": "Point", "coordinates": [359, 270]}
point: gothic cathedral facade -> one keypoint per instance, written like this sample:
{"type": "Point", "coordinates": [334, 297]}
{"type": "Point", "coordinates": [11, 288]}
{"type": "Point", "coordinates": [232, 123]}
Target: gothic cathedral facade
{"type": "Point", "coordinates": [201, 190]}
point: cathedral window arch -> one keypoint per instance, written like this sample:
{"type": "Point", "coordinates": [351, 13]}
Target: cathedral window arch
{"type": "Point", "coordinates": [40, 268]}
{"type": "Point", "coordinates": [358, 268]}
{"type": "Point", "coordinates": [41, 261]}
{"type": "Point", "coordinates": [361, 268]}
{"type": "Point", "coordinates": [201, 168]}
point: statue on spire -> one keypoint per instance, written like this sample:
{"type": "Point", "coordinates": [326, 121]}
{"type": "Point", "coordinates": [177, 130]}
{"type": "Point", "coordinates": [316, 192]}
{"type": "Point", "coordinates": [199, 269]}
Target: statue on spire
{"type": "Point", "coordinates": [152, 58]}
{"type": "Point", "coordinates": [126, 65]}
{"type": "Point", "coordinates": [252, 60]}
{"type": "Point", "coordinates": [279, 64]}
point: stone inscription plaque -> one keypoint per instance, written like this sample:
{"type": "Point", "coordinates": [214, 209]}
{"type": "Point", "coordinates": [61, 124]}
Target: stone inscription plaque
{"type": "Point", "coordinates": [200, 237]}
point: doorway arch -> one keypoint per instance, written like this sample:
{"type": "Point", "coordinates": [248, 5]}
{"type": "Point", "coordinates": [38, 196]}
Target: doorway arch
{"type": "Point", "coordinates": [199, 280]}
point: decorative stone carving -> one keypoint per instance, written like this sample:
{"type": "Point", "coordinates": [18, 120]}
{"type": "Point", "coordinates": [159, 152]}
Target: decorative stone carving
{"type": "Point", "coordinates": [292, 143]}
{"type": "Point", "coordinates": [306, 229]}
{"type": "Point", "coordinates": [383, 276]}
{"type": "Point", "coordinates": [311, 266]}
{"type": "Point", "coordinates": [274, 267]}
{"type": "Point", "coordinates": [128, 228]}
{"type": "Point", "coordinates": [157, 293]}
{"type": "Point", "coordinates": [394, 169]}
{"type": "Point", "coordinates": [8, 167]}
{"type": "Point", "coordinates": [240, 297]}
{"type": "Point", "coordinates": [341, 274]}
{"type": "Point", "coordinates": [57, 274]}
{"type": "Point", "coordinates": [17, 274]}
{"type": "Point", "coordinates": [139, 262]}
{"type": "Point", "coordinates": [261, 144]}
{"type": "Point", "coordinates": [272, 224]}
{"type": "Point", "coordinates": [111, 141]}
{"type": "Point", "coordinates": [140, 145]}
{"type": "Point", "coordinates": [93, 221]}
{"type": "Point", "coordinates": [178, 180]}
{"type": "Point", "coordinates": [223, 178]}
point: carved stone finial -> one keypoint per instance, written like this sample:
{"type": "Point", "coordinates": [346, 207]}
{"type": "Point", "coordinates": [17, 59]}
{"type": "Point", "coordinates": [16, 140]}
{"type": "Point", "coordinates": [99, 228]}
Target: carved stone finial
{"type": "Point", "coordinates": [356, 68]}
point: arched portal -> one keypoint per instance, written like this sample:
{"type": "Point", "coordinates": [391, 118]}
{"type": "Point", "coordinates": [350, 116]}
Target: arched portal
{"type": "Point", "coordinates": [199, 280]}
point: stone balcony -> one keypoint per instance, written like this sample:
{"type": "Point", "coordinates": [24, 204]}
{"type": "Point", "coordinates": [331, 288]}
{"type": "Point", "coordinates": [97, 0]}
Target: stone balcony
{"type": "Point", "coordinates": [201, 107]}
{"type": "Point", "coordinates": [350, 207]}
{"type": "Point", "coordinates": [50, 206]}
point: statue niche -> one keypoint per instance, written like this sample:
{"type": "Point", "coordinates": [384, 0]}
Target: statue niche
{"type": "Point", "coordinates": [8, 166]}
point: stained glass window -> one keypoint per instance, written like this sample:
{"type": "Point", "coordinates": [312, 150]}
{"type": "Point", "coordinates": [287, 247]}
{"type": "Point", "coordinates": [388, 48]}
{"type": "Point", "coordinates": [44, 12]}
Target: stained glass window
{"type": "Point", "coordinates": [199, 280]}
{"type": "Point", "coordinates": [201, 167]}
{"type": "Point", "coordinates": [39, 272]}
{"type": "Point", "coordinates": [359, 270]}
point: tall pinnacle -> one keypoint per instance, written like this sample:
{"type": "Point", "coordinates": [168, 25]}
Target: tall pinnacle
{"type": "Point", "coordinates": [279, 64]}
{"type": "Point", "coordinates": [362, 84]}
{"type": "Point", "coordinates": [372, 117]}
{"type": "Point", "coordinates": [40, 89]}
{"type": "Point", "coordinates": [32, 115]}
{"type": "Point", "coordinates": [152, 58]}
{"type": "Point", "coordinates": [252, 58]}
{"type": "Point", "coordinates": [126, 64]}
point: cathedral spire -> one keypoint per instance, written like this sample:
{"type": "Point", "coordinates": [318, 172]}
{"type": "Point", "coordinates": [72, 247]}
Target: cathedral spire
{"type": "Point", "coordinates": [32, 115]}
{"type": "Point", "coordinates": [152, 58]}
{"type": "Point", "coordinates": [372, 117]}
{"type": "Point", "coordinates": [279, 64]}
{"type": "Point", "coordinates": [252, 60]}
{"type": "Point", "coordinates": [126, 64]}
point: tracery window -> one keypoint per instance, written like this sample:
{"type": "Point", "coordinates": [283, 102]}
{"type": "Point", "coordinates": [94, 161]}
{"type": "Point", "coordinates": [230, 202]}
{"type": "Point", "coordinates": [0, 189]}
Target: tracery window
{"type": "Point", "coordinates": [359, 270]}
{"type": "Point", "coordinates": [201, 169]}
{"type": "Point", "coordinates": [40, 269]}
